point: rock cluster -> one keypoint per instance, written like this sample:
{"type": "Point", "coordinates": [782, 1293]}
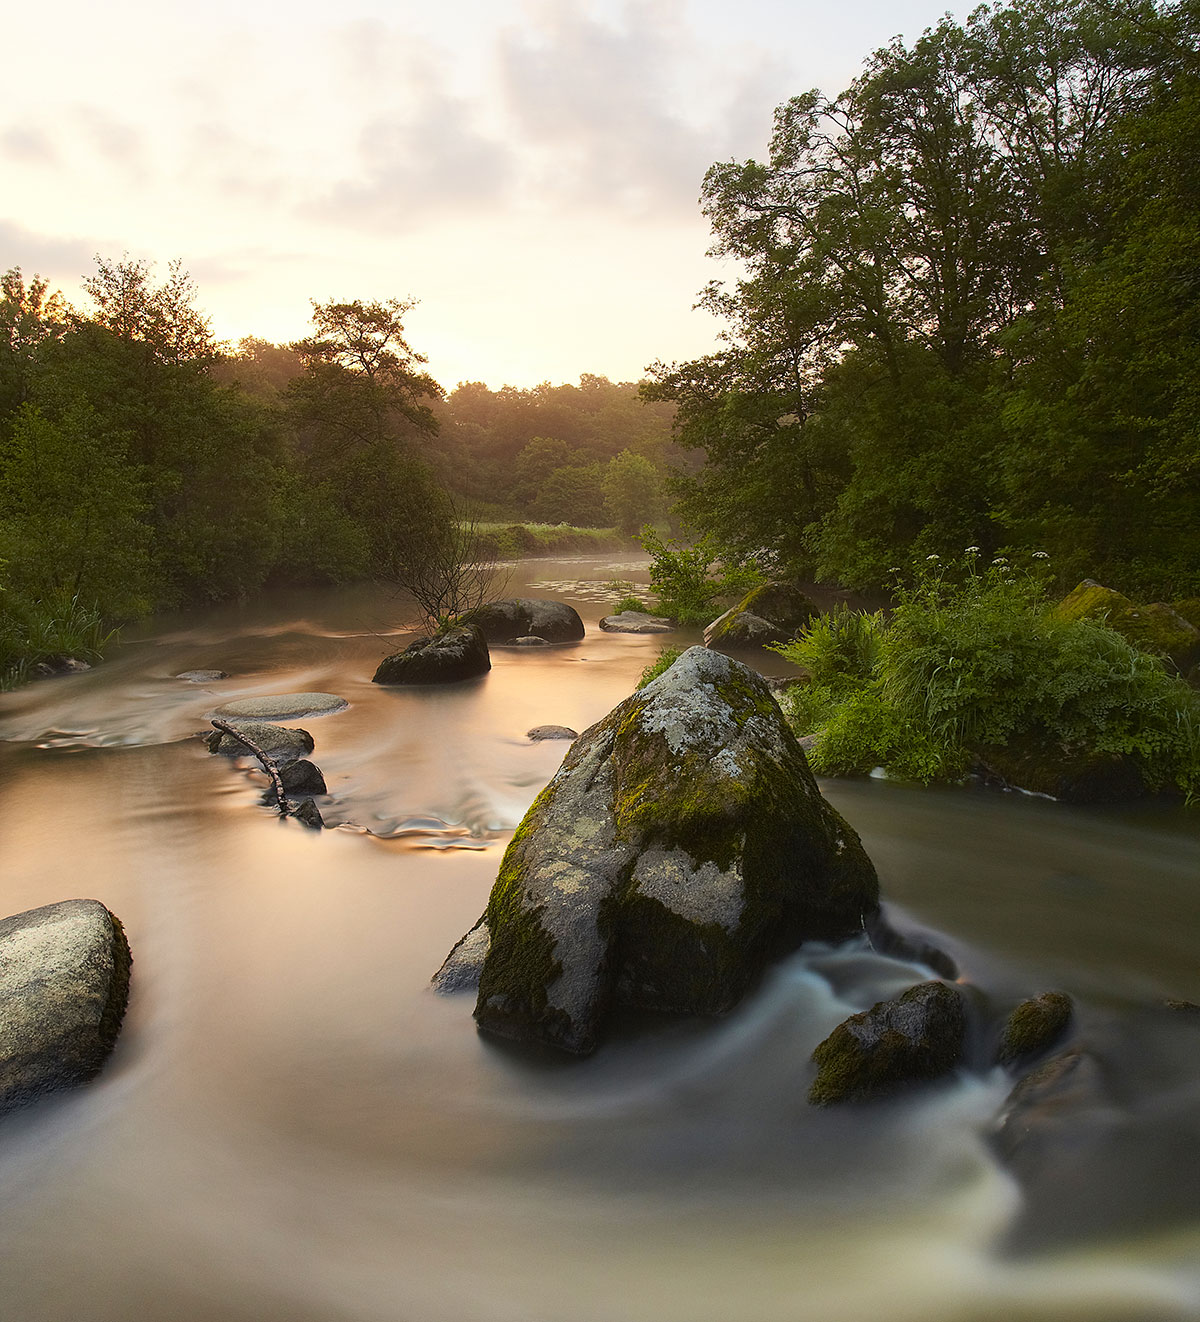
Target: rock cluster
{"type": "Point", "coordinates": [517, 618]}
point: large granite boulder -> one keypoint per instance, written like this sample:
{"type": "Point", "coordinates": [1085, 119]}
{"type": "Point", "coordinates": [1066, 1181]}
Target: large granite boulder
{"type": "Point", "coordinates": [1156, 628]}
{"type": "Point", "coordinates": [769, 613]}
{"type": "Point", "coordinates": [917, 1036]}
{"type": "Point", "coordinates": [278, 741]}
{"type": "Point", "coordinates": [62, 997]}
{"type": "Point", "coordinates": [681, 846]}
{"type": "Point", "coordinates": [523, 617]}
{"type": "Point", "coordinates": [446, 658]}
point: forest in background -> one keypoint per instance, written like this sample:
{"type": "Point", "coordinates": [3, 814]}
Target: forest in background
{"type": "Point", "coordinates": [969, 309]}
{"type": "Point", "coordinates": [143, 466]}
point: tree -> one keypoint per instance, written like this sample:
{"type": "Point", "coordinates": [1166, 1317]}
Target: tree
{"type": "Point", "coordinates": [29, 316]}
{"type": "Point", "coordinates": [632, 491]}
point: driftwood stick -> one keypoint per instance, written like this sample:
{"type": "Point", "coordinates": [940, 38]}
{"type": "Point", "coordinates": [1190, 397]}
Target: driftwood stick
{"type": "Point", "coordinates": [268, 763]}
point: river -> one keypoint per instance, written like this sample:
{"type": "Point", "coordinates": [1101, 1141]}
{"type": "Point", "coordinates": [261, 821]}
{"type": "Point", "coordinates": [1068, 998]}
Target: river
{"type": "Point", "coordinates": [293, 1126]}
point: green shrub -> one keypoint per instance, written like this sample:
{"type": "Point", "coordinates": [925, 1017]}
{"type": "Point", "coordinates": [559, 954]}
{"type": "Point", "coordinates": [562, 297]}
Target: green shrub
{"type": "Point", "coordinates": [54, 627]}
{"type": "Point", "coordinates": [839, 650]}
{"type": "Point", "coordinates": [631, 604]}
{"type": "Point", "coordinates": [688, 580]}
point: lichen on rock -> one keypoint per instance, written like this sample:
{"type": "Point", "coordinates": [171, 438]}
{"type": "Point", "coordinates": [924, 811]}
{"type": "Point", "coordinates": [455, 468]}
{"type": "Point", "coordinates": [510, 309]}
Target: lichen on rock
{"type": "Point", "coordinates": [682, 845]}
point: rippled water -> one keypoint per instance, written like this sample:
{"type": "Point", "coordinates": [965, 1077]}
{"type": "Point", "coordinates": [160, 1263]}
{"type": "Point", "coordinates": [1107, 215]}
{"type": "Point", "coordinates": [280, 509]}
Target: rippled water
{"type": "Point", "coordinates": [294, 1127]}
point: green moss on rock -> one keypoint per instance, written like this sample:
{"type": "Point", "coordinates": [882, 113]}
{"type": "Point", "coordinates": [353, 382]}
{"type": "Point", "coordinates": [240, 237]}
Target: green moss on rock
{"type": "Point", "coordinates": [1034, 1027]}
{"type": "Point", "coordinates": [682, 845]}
{"type": "Point", "coordinates": [1156, 628]}
{"type": "Point", "coordinates": [916, 1037]}
{"type": "Point", "coordinates": [770, 613]}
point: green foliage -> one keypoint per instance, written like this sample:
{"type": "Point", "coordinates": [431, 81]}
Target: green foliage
{"type": "Point", "coordinates": [49, 629]}
{"type": "Point", "coordinates": [966, 308]}
{"type": "Point", "coordinates": [840, 650]}
{"type": "Point", "coordinates": [684, 577]}
{"type": "Point", "coordinates": [631, 604]}
{"type": "Point", "coordinates": [666, 659]}
{"type": "Point", "coordinates": [974, 657]}
{"type": "Point", "coordinates": [632, 491]}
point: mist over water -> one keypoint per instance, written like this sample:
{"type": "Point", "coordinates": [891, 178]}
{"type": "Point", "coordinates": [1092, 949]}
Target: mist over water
{"type": "Point", "coordinates": [294, 1127]}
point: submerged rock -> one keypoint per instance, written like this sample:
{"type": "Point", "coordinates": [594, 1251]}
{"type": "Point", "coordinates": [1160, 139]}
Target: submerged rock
{"type": "Point", "coordinates": [202, 676]}
{"type": "Point", "coordinates": [308, 814]}
{"type": "Point", "coordinates": [278, 741]}
{"type": "Point", "coordinates": [522, 617]}
{"type": "Point", "coordinates": [282, 707]}
{"type": "Point", "coordinates": [540, 732]}
{"type": "Point", "coordinates": [62, 997]}
{"type": "Point", "coordinates": [636, 622]}
{"type": "Point", "coordinates": [532, 640]}
{"type": "Point", "coordinates": [1033, 1028]}
{"type": "Point", "coordinates": [52, 666]}
{"type": "Point", "coordinates": [769, 613]}
{"type": "Point", "coordinates": [446, 658]}
{"type": "Point", "coordinates": [917, 1036]}
{"type": "Point", "coordinates": [682, 845]}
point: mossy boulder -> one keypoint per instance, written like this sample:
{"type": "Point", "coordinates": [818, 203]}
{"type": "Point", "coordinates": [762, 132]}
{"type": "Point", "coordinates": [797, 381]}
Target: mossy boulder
{"type": "Point", "coordinates": [445, 658]}
{"type": "Point", "coordinates": [62, 998]}
{"type": "Point", "coordinates": [1033, 1028]}
{"type": "Point", "coordinates": [278, 741]}
{"type": "Point", "coordinates": [524, 617]}
{"type": "Point", "coordinates": [681, 846]}
{"type": "Point", "coordinates": [1189, 610]}
{"type": "Point", "coordinates": [1156, 628]}
{"type": "Point", "coordinates": [769, 613]}
{"type": "Point", "coordinates": [915, 1037]}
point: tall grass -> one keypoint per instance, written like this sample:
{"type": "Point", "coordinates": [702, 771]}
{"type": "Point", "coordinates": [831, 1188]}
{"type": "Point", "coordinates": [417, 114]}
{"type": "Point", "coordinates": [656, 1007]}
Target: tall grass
{"type": "Point", "coordinates": [49, 629]}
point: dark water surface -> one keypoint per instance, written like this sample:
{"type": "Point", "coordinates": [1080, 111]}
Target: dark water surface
{"type": "Point", "coordinates": [293, 1127]}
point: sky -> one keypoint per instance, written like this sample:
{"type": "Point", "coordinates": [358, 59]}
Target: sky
{"type": "Point", "coordinates": [527, 170]}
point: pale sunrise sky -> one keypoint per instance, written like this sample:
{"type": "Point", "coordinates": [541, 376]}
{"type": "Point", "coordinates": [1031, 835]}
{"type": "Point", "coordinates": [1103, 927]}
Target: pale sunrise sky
{"type": "Point", "coordinates": [527, 169]}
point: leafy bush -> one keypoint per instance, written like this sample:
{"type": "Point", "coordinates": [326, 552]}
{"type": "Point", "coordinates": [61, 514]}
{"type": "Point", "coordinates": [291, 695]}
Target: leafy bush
{"type": "Point", "coordinates": [631, 604]}
{"type": "Point", "coordinates": [46, 630]}
{"type": "Point", "coordinates": [973, 658]}
{"type": "Point", "coordinates": [689, 579]}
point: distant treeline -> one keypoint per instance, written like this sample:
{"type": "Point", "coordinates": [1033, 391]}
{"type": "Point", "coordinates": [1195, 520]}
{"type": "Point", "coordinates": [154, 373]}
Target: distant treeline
{"type": "Point", "coordinates": [142, 466]}
{"type": "Point", "coordinates": [970, 315]}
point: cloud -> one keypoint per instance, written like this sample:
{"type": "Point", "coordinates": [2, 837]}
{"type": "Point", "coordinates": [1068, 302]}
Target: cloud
{"type": "Point", "coordinates": [64, 259]}
{"type": "Point", "coordinates": [29, 146]}
{"type": "Point", "coordinates": [627, 115]}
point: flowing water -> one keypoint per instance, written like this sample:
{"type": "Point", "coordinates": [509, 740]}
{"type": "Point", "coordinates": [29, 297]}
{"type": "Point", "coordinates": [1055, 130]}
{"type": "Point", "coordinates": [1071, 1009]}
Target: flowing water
{"type": "Point", "coordinates": [294, 1127]}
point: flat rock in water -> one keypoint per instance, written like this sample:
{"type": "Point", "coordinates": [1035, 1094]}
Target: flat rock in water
{"type": "Point", "coordinates": [682, 845]}
{"type": "Point", "coordinates": [636, 622]}
{"type": "Point", "coordinates": [62, 997]}
{"type": "Point", "coordinates": [203, 676]}
{"type": "Point", "coordinates": [279, 741]}
{"type": "Point", "coordinates": [515, 618]}
{"type": "Point", "coordinates": [281, 707]}
{"type": "Point", "coordinates": [532, 640]}
{"type": "Point", "coordinates": [540, 732]}
{"type": "Point", "coordinates": [445, 658]}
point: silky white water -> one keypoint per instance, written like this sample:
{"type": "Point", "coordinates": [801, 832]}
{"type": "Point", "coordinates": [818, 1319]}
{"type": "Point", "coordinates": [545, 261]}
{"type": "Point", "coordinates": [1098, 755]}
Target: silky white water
{"type": "Point", "coordinates": [294, 1127]}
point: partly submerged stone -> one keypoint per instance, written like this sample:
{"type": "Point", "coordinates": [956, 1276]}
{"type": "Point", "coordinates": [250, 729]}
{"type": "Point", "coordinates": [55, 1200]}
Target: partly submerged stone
{"type": "Point", "coordinates": [915, 1037]}
{"type": "Point", "coordinates": [51, 667]}
{"type": "Point", "coordinates": [301, 777]}
{"type": "Point", "coordinates": [282, 707]}
{"type": "Point", "coordinates": [522, 617]}
{"type": "Point", "coordinates": [636, 622]}
{"type": "Point", "coordinates": [531, 640]}
{"type": "Point", "coordinates": [202, 676]}
{"type": "Point", "coordinates": [445, 658]}
{"type": "Point", "coordinates": [1070, 775]}
{"type": "Point", "coordinates": [308, 814]}
{"type": "Point", "coordinates": [540, 732]}
{"type": "Point", "coordinates": [278, 741]}
{"type": "Point", "coordinates": [682, 845]}
{"type": "Point", "coordinates": [63, 990]}
{"type": "Point", "coordinates": [769, 613]}
{"type": "Point", "coordinates": [1033, 1028]}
